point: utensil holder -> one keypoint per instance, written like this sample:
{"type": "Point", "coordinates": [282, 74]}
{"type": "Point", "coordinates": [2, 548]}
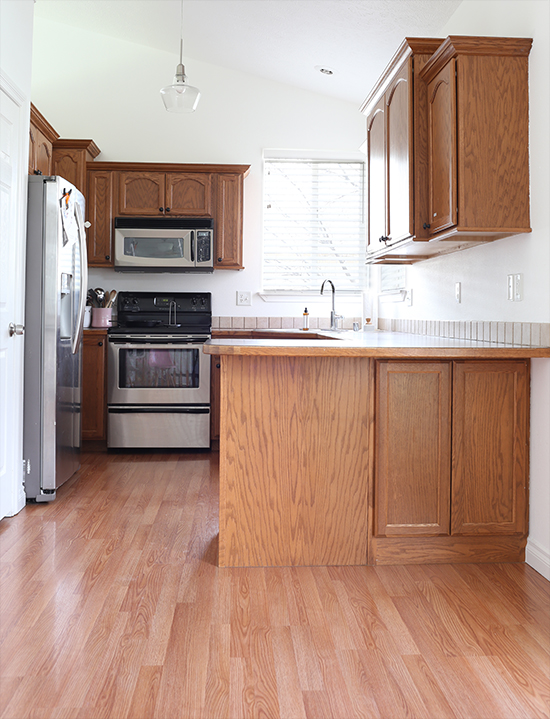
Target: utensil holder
{"type": "Point", "coordinates": [87, 316]}
{"type": "Point", "coordinates": [101, 316]}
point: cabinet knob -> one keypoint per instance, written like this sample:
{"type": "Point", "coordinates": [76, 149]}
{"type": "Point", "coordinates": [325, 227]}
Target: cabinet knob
{"type": "Point", "coordinates": [220, 259]}
{"type": "Point", "coordinates": [426, 225]}
{"type": "Point", "coordinates": [167, 209]}
{"type": "Point", "coordinates": [383, 238]}
{"type": "Point", "coordinates": [107, 257]}
{"type": "Point", "coordinates": [218, 366]}
{"type": "Point", "coordinates": [100, 344]}
{"type": "Point", "coordinates": [161, 209]}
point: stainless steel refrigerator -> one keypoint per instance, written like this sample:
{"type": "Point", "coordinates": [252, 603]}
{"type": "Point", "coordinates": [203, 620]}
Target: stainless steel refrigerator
{"type": "Point", "coordinates": [56, 285]}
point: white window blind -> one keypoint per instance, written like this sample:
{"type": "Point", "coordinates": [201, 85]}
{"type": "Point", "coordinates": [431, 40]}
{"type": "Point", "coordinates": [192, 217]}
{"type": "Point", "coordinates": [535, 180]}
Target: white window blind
{"type": "Point", "coordinates": [313, 225]}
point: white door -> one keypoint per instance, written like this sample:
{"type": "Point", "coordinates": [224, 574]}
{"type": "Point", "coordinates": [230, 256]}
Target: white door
{"type": "Point", "coordinates": [13, 194]}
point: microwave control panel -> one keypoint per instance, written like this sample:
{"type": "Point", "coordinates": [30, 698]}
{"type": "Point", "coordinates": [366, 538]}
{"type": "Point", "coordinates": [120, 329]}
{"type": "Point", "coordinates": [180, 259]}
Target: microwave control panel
{"type": "Point", "coordinates": [204, 245]}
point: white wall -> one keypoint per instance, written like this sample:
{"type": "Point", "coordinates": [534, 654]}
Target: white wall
{"type": "Point", "coordinates": [109, 92]}
{"type": "Point", "coordinates": [16, 29]}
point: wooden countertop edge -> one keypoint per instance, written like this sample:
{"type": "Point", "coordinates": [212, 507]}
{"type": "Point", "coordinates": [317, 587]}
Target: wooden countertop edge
{"type": "Point", "coordinates": [290, 348]}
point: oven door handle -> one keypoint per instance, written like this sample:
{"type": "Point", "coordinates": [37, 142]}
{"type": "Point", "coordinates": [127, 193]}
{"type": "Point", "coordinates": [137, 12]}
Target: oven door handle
{"type": "Point", "coordinates": [174, 409]}
{"type": "Point", "coordinates": [193, 246]}
{"type": "Point", "coordinates": [155, 346]}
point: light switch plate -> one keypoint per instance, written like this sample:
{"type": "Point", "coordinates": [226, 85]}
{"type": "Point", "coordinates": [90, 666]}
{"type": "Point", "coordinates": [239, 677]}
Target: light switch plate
{"type": "Point", "coordinates": [518, 287]}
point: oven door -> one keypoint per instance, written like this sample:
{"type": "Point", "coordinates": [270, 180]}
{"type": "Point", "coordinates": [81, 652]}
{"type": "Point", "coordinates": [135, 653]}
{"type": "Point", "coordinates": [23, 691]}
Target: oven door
{"type": "Point", "coordinates": [143, 373]}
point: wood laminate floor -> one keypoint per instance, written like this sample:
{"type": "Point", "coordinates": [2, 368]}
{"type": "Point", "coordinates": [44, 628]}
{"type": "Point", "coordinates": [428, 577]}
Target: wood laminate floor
{"type": "Point", "coordinates": [112, 606]}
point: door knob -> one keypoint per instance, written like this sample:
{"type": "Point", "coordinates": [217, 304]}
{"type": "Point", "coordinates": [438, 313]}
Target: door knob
{"type": "Point", "coordinates": [16, 329]}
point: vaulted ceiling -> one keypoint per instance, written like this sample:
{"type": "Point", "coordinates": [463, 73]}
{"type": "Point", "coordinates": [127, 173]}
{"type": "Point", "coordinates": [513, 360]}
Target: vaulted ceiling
{"type": "Point", "coordinates": [283, 40]}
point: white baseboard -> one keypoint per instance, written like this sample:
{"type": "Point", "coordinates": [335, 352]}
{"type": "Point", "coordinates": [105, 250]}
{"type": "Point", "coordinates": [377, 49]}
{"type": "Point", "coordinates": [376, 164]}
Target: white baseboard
{"type": "Point", "coordinates": [538, 557]}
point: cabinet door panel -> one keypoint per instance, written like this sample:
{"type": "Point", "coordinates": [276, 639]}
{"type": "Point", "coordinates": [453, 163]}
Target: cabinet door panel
{"type": "Point", "coordinates": [412, 481]}
{"type": "Point", "coordinates": [141, 193]}
{"type": "Point", "coordinates": [442, 143]}
{"type": "Point", "coordinates": [228, 222]}
{"type": "Point", "coordinates": [399, 150]}
{"type": "Point", "coordinates": [41, 152]}
{"type": "Point", "coordinates": [188, 194]}
{"type": "Point", "coordinates": [99, 212]}
{"type": "Point", "coordinates": [489, 475]}
{"type": "Point", "coordinates": [69, 164]}
{"type": "Point", "coordinates": [94, 349]}
{"type": "Point", "coordinates": [376, 168]}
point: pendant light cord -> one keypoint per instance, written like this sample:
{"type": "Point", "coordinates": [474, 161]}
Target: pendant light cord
{"type": "Point", "coordinates": [181, 35]}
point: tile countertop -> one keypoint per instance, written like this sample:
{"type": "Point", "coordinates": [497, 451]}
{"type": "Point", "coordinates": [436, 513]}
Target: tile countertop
{"type": "Point", "coordinates": [373, 343]}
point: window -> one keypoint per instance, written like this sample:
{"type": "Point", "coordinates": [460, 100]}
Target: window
{"type": "Point", "coordinates": [314, 225]}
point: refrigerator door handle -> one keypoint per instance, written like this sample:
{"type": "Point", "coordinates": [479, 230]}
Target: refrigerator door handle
{"type": "Point", "coordinates": [83, 276]}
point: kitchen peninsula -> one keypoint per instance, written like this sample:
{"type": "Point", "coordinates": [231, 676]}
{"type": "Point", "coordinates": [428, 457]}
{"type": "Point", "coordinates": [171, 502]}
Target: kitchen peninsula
{"type": "Point", "coordinates": [372, 448]}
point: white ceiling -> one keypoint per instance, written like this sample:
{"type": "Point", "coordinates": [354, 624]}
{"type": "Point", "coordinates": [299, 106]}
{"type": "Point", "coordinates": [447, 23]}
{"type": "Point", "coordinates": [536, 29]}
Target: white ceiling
{"type": "Point", "coordinates": [281, 40]}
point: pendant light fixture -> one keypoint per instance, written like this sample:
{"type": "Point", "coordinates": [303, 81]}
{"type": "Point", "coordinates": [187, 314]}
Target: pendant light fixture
{"type": "Point", "coordinates": [180, 97]}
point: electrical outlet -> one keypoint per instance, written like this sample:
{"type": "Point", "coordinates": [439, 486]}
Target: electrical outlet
{"type": "Point", "coordinates": [243, 298]}
{"type": "Point", "coordinates": [458, 292]}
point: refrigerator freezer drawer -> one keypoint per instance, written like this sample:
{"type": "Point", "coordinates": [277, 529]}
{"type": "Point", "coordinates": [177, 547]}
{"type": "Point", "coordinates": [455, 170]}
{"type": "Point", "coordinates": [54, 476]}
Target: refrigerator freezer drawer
{"type": "Point", "coordinates": [160, 427]}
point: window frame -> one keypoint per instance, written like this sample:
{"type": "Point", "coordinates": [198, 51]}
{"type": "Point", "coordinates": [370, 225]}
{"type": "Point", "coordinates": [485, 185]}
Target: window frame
{"type": "Point", "coordinates": [289, 295]}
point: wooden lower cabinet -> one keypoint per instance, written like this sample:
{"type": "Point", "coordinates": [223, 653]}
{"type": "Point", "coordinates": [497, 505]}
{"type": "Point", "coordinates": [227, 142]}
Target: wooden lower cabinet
{"type": "Point", "coordinates": [413, 448]}
{"type": "Point", "coordinates": [490, 448]}
{"type": "Point", "coordinates": [451, 462]}
{"type": "Point", "coordinates": [94, 375]}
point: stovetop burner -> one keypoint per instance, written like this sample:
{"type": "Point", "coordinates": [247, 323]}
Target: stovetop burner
{"type": "Point", "coordinates": [166, 313]}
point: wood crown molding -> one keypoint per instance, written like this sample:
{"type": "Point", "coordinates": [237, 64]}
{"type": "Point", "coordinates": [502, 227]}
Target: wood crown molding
{"type": "Point", "coordinates": [168, 167]}
{"type": "Point", "coordinates": [409, 47]}
{"type": "Point", "coordinates": [456, 45]}
{"type": "Point", "coordinates": [88, 145]}
{"type": "Point", "coordinates": [39, 121]}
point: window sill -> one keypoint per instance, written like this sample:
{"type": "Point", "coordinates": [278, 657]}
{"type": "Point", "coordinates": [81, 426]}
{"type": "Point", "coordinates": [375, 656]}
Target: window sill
{"type": "Point", "coordinates": [311, 296]}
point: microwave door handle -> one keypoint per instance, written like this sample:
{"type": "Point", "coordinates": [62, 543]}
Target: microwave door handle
{"type": "Point", "coordinates": [192, 246]}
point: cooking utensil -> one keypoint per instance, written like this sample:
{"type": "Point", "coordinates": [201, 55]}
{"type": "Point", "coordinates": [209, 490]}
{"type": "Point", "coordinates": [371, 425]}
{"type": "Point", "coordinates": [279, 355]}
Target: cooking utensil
{"type": "Point", "coordinates": [92, 298]}
{"type": "Point", "coordinates": [110, 297]}
{"type": "Point", "coordinates": [100, 294]}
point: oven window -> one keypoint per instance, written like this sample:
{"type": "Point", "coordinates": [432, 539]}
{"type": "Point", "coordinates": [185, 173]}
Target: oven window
{"type": "Point", "coordinates": [151, 368]}
{"type": "Point", "coordinates": [154, 247]}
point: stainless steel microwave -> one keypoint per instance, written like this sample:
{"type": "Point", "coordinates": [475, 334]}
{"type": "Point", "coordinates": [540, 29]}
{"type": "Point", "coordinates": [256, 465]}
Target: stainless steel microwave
{"type": "Point", "coordinates": [164, 244]}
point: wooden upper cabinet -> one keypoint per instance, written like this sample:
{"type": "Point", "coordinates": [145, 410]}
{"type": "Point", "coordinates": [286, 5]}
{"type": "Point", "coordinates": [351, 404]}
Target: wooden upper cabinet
{"type": "Point", "coordinates": [442, 144]}
{"type": "Point", "coordinates": [70, 158]}
{"type": "Point", "coordinates": [490, 448]}
{"type": "Point", "coordinates": [399, 149]}
{"type": "Point", "coordinates": [396, 148]}
{"type": "Point", "coordinates": [41, 139]}
{"type": "Point", "coordinates": [483, 117]}
{"type": "Point", "coordinates": [99, 212]}
{"type": "Point", "coordinates": [189, 194]}
{"type": "Point", "coordinates": [160, 189]}
{"type": "Point", "coordinates": [228, 221]}
{"type": "Point", "coordinates": [159, 193]}
{"type": "Point", "coordinates": [141, 193]}
{"type": "Point", "coordinates": [376, 163]}
{"type": "Point", "coordinates": [413, 446]}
